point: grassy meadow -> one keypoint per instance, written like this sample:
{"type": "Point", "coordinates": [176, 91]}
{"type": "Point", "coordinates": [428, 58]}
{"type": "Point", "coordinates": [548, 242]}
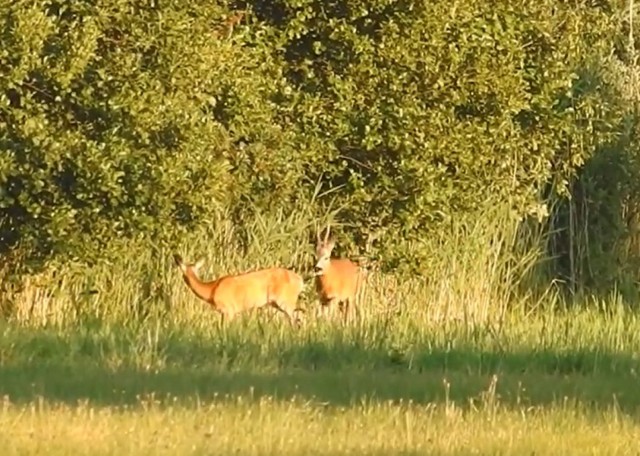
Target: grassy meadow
{"type": "Point", "coordinates": [120, 358]}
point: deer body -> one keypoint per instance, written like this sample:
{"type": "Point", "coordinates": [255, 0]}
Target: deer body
{"type": "Point", "coordinates": [233, 294]}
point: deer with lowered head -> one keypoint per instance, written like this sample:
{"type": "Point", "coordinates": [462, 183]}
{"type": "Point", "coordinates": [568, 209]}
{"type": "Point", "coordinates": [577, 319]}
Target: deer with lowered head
{"type": "Point", "coordinates": [231, 295]}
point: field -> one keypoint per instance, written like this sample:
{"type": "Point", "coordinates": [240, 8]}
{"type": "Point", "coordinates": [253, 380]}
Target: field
{"type": "Point", "coordinates": [480, 159]}
{"type": "Point", "coordinates": [122, 359]}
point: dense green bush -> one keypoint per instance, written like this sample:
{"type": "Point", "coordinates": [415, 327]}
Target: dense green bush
{"type": "Point", "coordinates": [123, 118]}
{"type": "Point", "coordinates": [596, 233]}
{"type": "Point", "coordinates": [431, 110]}
{"type": "Point", "coordinates": [145, 118]}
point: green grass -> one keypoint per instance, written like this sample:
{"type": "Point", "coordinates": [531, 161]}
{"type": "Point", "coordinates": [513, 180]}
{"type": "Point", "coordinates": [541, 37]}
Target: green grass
{"type": "Point", "coordinates": [244, 425]}
{"type": "Point", "coordinates": [565, 384]}
{"type": "Point", "coordinates": [459, 361]}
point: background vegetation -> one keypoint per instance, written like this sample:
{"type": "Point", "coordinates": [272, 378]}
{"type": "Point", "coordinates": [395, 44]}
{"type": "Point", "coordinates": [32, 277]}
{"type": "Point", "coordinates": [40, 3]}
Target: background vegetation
{"type": "Point", "coordinates": [144, 119]}
{"type": "Point", "coordinates": [480, 157]}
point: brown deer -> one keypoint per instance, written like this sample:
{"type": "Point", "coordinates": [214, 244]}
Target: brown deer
{"type": "Point", "coordinates": [231, 295]}
{"type": "Point", "coordinates": [338, 280]}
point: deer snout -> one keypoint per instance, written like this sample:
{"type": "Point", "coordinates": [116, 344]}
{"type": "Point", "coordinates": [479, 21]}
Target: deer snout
{"type": "Point", "coordinates": [177, 259]}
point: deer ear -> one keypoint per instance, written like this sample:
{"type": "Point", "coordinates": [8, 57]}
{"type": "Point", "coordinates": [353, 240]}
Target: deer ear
{"type": "Point", "coordinates": [327, 233]}
{"type": "Point", "coordinates": [198, 264]}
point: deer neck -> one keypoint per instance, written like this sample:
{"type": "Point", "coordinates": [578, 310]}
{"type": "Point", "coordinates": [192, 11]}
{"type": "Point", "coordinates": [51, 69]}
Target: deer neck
{"type": "Point", "coordinates": [200, 289]}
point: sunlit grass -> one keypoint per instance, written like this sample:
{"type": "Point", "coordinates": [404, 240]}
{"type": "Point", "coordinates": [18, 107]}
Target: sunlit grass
{"type": "Point", "coordinates": [243, 425]}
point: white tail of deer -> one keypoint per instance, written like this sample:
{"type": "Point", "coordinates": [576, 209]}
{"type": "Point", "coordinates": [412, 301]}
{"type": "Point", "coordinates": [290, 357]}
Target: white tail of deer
{"type": "Point", "coordinates": [232, 294]}
{"type": "Point", "coordinates": [338, 280]}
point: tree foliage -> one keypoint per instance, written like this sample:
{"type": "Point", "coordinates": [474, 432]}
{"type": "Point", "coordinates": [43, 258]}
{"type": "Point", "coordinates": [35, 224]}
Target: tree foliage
{"type": "Point", "coordinates": [120, 118]}
{"type": "Point", "coordinates": [126, 117]}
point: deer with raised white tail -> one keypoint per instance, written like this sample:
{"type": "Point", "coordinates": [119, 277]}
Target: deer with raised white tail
{"type": "Point", "coordinates": [338, 280]}
{"type": "Point", "coordinates": [231, 295]}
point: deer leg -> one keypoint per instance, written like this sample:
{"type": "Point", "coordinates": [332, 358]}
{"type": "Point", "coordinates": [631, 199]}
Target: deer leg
{"type": "Point", "coordinates": [357, 311]}
{"type": "Point", "coordinates": [293, 321]}
{"type": "Point", "coordinates": [292, 313]}
{"type": "Point", "coordinates": [225, 319]}
{"type": "Point", "coordinates": [221, 322]}
{"type": "Point", "coordinates": [325, 306]}
{"type": "Point", "coordinates": [296, 311]}
{"type": "Point", "coordinates": [344, 310]}
{"type": "Point", "coordinates": [271, 305]}
{"type": "Point", "coordinates": [284, 309]}
{"type": "Point", "coordinates": [290, 316]}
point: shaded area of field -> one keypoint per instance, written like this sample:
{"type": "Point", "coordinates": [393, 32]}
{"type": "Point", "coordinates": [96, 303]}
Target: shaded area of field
{"type": "Point", "coordinates": [68, 367]}
{"type": "Point", "coordinates": [125, 386]}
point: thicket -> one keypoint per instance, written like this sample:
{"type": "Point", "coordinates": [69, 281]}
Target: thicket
{"type": "Point", "coordinates": [145, 119]}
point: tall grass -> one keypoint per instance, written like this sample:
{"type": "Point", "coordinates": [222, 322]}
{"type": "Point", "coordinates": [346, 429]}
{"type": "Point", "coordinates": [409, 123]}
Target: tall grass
{"type": "Point", "coordinates": [475, 275]}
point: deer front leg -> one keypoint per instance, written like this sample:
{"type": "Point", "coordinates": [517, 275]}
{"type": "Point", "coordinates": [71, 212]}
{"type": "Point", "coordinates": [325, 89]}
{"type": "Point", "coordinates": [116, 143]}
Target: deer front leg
{"type": "Point", "coordinates": [325, 306]}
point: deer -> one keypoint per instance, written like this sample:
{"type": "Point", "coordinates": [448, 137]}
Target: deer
{"type": "Point", "coordinates": [231, 295]}
{"type": "Point", "coordinates": [338, 280]}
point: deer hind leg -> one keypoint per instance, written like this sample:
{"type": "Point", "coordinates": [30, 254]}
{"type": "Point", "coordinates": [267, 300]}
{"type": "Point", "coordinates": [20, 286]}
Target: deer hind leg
{"type": "Point", "coordinates": [357, 312]}
{"type": "Point", "coordinates": [345, 305]}
{"type": "Point", "coordinates": [281, 307]}
{"type": "Point", "coordinates": [351, 310]}
{"type": "Point", "coordinates": [285, 309]}
{"type": "Point", "coordinates": [296, 311]}
{"type": "Point", "coordinates": [267, 309]}
{"type": "Point", "coordinates": [294, 321]}
{"type": "Point", "coordinates": [292, 312]}
{"type": "Point", "coordinates": [231, 315]}
{"type": "Point", "coordinates": [224, 320]}
{"type": "Point", "coordinates": [323, 311]}
{"type": "Point", "coordinates": [327, 306]}
{"type": "Point", "coordinates": [289, 313]}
